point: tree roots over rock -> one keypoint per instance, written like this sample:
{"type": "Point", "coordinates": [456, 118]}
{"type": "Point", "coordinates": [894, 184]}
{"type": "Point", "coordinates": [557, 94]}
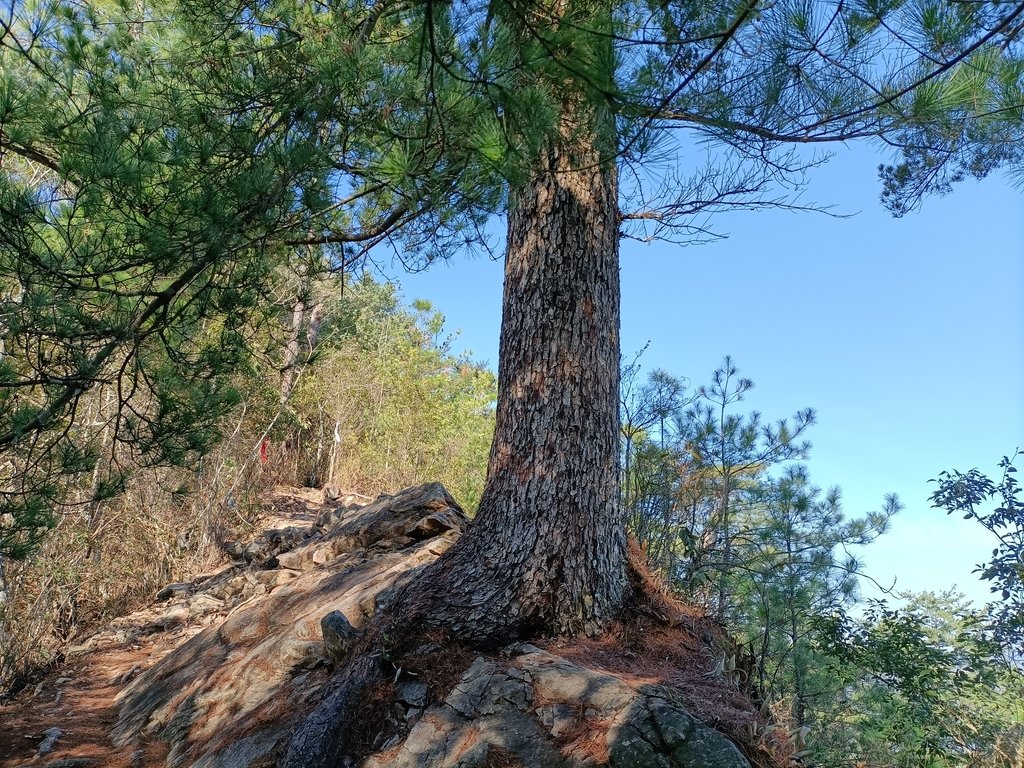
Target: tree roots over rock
{"type": "Point", "coordinates": [259, 687]}
{"type": "Point", "coordinates": [519, 712]}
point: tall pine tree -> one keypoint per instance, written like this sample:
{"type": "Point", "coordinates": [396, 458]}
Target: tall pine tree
{"type": "Point", "coordinates": [145, 189]}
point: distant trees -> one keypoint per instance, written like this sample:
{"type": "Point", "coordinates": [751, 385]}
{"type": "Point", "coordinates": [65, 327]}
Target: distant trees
{"type": "Point", "coordinates": [653, 456]}
{"type": "Point", "coordinates": [924, 684]}
{"type": "Point", "coordinates": [386, 404]}
{"type": "Point", "coordinates": [734, 447]}
{"type": "Point", "coordinates": [794, 566]}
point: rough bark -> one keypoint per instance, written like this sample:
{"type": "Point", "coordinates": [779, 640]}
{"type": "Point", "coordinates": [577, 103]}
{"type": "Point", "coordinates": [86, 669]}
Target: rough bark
{"type": "Point", "coordinates": [546, 552]}
{"type": "Point", "coordinates": [291, 349]}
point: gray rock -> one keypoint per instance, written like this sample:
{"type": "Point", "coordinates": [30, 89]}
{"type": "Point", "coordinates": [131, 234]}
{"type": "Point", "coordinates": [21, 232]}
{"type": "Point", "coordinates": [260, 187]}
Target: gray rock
{"type": "Point", "coordinates": [556, 679]}
{"type": "Point", "coordinates": [558, 718]}
{"type": "Point", "coordinates": [520, 734]}
{"type": "Point", "coordinates": [633, 742]}
{"type": "Point", "coordinates": [242, 753]}
{"type": "Point", "coordinates": [226, 693]}
{"type": "Point", "coordinates": [339, 635]}
{"type": "Point", "coordinates": [485, 690]}
{"type": "Point", "coordinates": [413, 692]}
{"type": "Point", "coordinates": [488, 719]}
{"type": "Point", "coordinates": [50, 738]}
{"type": "Point", "coordinates": [173, 616]}
{"type": "Point", "coordinates": [657, 731]}
{"type": "Point", "coordinates": [177, 589]}
{"type": "Point", "coordinates": [473, 757]}
{"type": "Point", "coordinates": [691, 743]}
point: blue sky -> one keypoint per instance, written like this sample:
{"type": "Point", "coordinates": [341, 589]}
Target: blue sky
{"type": "Point", "coordinates": [906, 335]}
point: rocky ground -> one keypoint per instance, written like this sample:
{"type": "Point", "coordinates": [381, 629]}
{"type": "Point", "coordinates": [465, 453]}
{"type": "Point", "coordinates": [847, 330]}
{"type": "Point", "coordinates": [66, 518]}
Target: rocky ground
{"type": "Point", "coordinates": [217, 671]}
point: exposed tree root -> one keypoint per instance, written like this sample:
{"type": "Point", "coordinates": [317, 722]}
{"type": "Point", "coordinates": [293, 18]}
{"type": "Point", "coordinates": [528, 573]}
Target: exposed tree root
{"type": "Point", "coordinates": [406, 630]}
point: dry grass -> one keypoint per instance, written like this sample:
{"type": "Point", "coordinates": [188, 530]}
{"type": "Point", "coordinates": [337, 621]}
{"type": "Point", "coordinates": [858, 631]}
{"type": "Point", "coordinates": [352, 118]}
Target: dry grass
{"type": "Point", "coordinates": [90, 571]}
{"type": "Point", "coordinates": [499, 757]}
{"type": "Point", "coordinates": [586, 740]}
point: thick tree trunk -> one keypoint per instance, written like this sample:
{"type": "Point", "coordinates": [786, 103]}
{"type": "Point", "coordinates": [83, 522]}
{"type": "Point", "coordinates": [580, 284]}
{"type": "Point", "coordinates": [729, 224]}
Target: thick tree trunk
{"type": "Point", "coordinates": [547, 550]}
{"type": "Point", "coordinates": [546, 553]}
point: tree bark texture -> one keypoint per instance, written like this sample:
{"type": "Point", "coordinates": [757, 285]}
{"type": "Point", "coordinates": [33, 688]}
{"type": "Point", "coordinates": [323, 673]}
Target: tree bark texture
{"type": "Point", "coordinates": [546, 552]}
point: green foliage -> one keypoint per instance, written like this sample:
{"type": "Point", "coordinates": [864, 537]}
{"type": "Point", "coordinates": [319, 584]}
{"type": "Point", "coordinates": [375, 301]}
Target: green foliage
{"type": "Point", "coordinates": [924, 684]}
{"type": "Point", "coordinates": [968, 494]}
{"type": "Point", "coordinates": [149, 199]}
{"type": "Point", "coordinates": [965, 124]}
{"type": "Point", "coordinates": [692, 468]}
{"type": "Point", "coordinates": [793, 566]}
{"type": "Point", "coordinates": [921, 685]}
{"type": "Point", "coordinates": [24, 521]}
{"type": "Point", "coordinates": [392, 406]}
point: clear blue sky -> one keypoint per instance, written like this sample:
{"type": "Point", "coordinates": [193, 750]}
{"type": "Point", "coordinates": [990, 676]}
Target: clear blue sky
{"type": "Point", "coordinates": [906, 335]}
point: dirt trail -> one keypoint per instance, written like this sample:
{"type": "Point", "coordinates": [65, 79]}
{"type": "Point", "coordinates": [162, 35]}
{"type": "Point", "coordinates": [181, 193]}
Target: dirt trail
{"type": "Point", "coordinates": [78, 697]}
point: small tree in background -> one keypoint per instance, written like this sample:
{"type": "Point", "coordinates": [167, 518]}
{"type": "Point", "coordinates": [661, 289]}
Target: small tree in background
{"type": "Point", "coordinates": [792, 566]}
{"type": "Point", "coordinates": [996, 506]}
{"type": "Point", "coordinates": [386, 404]}
{"type": "Point", "coordinates": [732, 447]}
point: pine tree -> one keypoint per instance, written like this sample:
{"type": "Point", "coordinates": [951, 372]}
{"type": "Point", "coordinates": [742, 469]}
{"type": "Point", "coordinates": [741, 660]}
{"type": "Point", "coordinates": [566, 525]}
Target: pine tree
{"type": "Point", "coordinates": [581, 93]}
{"type": "Point", "coordinates": [346, 126]}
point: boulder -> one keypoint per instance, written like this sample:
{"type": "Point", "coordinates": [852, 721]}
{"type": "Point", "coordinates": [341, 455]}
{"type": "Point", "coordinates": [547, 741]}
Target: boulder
{"type": "Point", "coordinates": [541, 710]}
{"type": "Point", "coordinates": [50, 739]}
{"type": "Point", "coordinates": [338, 635]}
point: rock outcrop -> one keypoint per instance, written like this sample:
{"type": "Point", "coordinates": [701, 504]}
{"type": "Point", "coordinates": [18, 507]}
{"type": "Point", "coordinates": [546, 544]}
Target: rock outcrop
{"type": "Point", "coordinates": [257, 641]}
{"type": "Point", "coordinates": [538, 709]}
{"type": "Point", "coordinates": [227, 696]}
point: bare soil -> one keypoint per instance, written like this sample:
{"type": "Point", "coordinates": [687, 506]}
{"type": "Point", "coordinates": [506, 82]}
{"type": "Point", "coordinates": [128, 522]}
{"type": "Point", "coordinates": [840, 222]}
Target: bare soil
{"type": "Point", "coordinates": [78, 698]}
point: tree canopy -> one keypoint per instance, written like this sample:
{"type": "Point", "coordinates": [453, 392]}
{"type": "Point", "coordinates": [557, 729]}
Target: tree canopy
{"type": "Point", "coordinates": [148, 193]}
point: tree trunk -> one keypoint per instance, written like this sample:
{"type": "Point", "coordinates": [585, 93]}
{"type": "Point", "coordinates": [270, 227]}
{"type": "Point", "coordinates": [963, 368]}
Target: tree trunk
{"type": "Point", "coordinates": [291, 349]}
{"type": "Point", "coordinates": [547, 549]}
{"type": "Point", "coordinates": [546, 553]}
